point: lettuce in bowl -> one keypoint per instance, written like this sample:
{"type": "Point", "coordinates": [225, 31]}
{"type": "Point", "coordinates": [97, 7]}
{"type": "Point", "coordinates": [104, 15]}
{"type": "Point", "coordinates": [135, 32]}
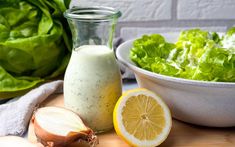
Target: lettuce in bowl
{"type": "Point", "coordinates": [197, 55]}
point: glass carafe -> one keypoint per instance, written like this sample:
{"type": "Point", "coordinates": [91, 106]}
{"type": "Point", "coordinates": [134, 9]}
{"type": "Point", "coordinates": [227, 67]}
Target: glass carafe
{"type": "Point", "coordinates": [92, 83]}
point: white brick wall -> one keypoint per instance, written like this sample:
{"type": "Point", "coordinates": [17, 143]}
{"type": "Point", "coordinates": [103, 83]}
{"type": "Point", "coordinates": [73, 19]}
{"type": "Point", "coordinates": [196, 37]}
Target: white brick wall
{"type": "Point", "coordinates": [156, 16]}
{"type": "Point", "coordinates": [206, 9]}
{"type": "Point", "coordinates": [135, 10]}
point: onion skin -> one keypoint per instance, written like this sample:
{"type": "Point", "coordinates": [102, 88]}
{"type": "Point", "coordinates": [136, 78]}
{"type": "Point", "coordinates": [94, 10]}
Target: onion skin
{"type": "Point", "coordinates": [49, 139]}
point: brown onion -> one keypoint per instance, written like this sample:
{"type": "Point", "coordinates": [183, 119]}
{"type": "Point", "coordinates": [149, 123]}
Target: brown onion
{"type": "Point", "coordinates": [56, 127]}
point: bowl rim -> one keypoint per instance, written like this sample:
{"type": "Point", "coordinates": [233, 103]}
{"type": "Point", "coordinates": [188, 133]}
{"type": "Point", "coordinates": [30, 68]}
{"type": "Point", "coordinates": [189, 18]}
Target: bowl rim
{"type": "Point", "coordinates": [137, 69]}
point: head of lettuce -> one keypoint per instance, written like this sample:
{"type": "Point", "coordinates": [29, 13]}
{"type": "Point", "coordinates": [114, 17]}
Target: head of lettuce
{"type": "Point", "coordinates": [34, 44]}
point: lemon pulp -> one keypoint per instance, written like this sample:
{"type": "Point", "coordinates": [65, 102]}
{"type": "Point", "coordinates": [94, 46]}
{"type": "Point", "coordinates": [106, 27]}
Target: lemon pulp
{"type": "Point", "coordinates": [143, 117]}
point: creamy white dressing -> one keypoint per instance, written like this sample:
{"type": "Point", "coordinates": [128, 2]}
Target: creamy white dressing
{"type": "Point", "coordinates": [92, 85]}
{"type": "Point", "coordinates": [228, 42]}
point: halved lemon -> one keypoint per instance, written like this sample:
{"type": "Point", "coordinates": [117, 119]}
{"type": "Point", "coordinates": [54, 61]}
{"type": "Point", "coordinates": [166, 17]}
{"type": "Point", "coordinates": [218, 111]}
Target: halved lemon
{"type": "Point", "coordinates": [141, 118]}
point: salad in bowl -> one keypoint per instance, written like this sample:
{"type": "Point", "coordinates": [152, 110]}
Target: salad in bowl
{"type": "Point", "coordinates": [192, 71]}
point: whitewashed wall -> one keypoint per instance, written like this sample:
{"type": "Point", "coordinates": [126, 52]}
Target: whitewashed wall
{"type": "Point", "coordinates": [156, 16]}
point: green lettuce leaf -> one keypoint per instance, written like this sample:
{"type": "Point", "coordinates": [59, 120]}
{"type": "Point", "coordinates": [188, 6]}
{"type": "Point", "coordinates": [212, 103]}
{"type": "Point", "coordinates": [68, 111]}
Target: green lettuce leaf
{"type": "Point", "coordinates": [228, 40]}
{"type": "Point", "coordinates": [151, 53]}
{"type": "Point", "coordinates": [216, 64]}
{"type": "Point", "coordinates": [33, 42]}
{"type": "Point", "coordinates": [197, 55]}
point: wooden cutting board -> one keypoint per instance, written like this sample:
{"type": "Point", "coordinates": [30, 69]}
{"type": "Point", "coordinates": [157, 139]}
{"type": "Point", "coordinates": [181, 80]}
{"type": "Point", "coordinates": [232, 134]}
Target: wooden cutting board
{"type": "Point", "coordinates": [181, 135]}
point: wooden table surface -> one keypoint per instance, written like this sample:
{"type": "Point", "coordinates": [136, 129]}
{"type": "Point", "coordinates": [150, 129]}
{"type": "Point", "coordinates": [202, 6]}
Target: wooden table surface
{"type": "Point", "coordinates": [181, 135]}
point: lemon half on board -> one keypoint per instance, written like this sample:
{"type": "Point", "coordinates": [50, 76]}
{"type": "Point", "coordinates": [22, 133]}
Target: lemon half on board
{"type": "Point", "coordinates": [141, 118]}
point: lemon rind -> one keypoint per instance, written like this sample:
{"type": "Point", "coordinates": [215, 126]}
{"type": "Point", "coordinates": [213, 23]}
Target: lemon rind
{"type": "Point", "coordinates": [129, 138]}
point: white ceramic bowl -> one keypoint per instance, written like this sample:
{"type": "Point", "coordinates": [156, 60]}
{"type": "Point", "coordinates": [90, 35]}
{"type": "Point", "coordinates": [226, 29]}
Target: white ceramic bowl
{"type": "Point", "coordinates": [197, 102]}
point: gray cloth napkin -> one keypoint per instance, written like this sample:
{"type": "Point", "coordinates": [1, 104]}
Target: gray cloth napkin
{"type": "Point", "coordinates": [126, 73]}
{"type": "Point", "coordinates": [15, 114]}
